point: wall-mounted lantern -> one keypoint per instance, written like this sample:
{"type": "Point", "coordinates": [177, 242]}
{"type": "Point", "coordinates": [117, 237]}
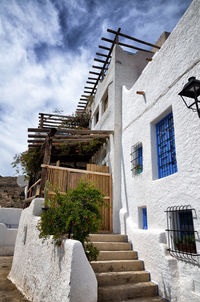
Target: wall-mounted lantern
{"type": "Point", "coordinates": [192, 90]}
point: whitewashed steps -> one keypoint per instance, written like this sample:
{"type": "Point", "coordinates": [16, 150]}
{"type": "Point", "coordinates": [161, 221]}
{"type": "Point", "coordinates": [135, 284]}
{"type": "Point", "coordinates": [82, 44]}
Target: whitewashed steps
{"type": "Point", "coordinates": [117, 255]}
{"type": "Point", "coordinates": [145, 299]}
{"type": "Point", "coordinates": [121, 276]}
{"type": "Point", "coordinates": [117, 265]}
{"type": "Point", "coordinates": [116, 278]}
{"type": "Point", "coordinates": [126, 291]}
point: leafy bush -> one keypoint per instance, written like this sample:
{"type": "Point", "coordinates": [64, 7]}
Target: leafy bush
{"type": "Point", "coordinates": [73, 215]}
{"type": "Point", "coordinates": [29, 161]}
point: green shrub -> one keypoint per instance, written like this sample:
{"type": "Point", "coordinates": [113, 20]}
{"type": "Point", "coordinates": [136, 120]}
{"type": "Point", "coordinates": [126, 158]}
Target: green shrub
{"type": "Point", "coordinates": [73, 215]}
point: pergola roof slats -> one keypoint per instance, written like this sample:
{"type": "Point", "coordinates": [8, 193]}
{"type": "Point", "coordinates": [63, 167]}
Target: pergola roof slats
{"type": "Point", "coordinates": [108, 56]}
{"type": "Point", "coordinates": [75, 131]}
{"type": "Point", "coordinates": [132, 38]}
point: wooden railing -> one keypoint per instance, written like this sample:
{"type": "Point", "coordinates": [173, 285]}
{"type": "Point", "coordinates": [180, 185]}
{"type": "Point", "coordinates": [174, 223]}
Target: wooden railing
{"type": "Point", "coordinates": [34, 190]}
{"type": "Point", "coordinates": [64, 178]}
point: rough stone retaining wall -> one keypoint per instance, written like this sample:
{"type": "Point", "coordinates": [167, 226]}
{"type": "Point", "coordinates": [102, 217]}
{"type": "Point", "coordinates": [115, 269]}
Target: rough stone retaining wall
{"type": "Point", "coordinates": [11, 195]}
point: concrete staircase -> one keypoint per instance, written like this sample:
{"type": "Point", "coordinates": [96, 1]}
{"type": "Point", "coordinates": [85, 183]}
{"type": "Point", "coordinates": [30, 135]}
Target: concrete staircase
{"type": "Point", "coordinates": [120, 274]}
{"type": "Point", "coordinates": [8, 291]}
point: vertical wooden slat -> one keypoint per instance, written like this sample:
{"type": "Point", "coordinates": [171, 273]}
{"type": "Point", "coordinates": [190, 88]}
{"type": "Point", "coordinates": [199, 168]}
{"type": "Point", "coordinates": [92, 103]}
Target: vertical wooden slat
{"type": "Point", "coordinates": [64, 179]}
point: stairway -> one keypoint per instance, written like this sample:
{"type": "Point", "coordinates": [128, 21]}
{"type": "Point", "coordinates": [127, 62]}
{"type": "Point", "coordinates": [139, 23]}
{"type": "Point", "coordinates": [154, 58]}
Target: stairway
{"type": "Point", "coordinates": [120, 274]}
{"type": "Point", "coordinates": [8, 291]}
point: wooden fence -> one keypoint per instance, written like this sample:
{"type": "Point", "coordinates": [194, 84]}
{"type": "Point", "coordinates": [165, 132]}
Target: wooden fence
{"type": "Point", "coordinates": [64, 178]}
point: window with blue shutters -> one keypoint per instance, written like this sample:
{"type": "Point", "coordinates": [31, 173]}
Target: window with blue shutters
{"type": "Point", "coordinates": [166, 150]}
{"type": "Point", "coordinates": [137, 159]}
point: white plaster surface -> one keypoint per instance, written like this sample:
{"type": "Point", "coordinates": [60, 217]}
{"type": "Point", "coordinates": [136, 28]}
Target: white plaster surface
{"type": "Point", "coordinates": [46, 273]}
{"type": "Point", "coordinates": [124, 69]}
{"type": "Point", "coordinates": [9, 221]}
{"type": "Point", "coordinates": [162, 80]}
{"type": "Point", "coordinates": [133, 118]}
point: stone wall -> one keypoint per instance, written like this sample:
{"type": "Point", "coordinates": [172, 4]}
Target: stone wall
{"type": "Point", "coordinates": [11, 195]}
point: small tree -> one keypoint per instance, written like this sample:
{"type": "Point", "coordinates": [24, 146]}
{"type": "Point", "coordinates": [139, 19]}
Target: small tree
{"type": "Point", "coordinates": [74, 215]}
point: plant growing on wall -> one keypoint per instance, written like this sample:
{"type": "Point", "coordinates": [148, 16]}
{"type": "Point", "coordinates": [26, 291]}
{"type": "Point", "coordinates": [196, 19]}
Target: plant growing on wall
{"type": "Point", "coordinates": [75, 215]}
{"type": "Point", "coordinates": [29, 161]}
{"type": "Point", "coordinates": [77, 121]}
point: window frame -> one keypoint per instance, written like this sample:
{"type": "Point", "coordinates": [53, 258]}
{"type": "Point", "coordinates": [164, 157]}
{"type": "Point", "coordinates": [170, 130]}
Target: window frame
{"type": "Point", "coordinates": [181, 235]}
{"type": "Point", "coordinates": [137, 159]}
{"type": "Point", "coordinates": [166, 149]}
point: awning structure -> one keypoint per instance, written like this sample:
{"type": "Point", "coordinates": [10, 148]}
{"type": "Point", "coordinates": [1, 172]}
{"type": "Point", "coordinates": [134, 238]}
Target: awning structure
{"type": "Point", "coordinates": [103, 59]}
{"type": "Point", "coordinates": [61, 136]}
{"type": "Point", "coordinates": [52, 126]}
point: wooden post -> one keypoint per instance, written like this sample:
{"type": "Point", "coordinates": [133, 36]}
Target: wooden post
{"type": "Point", "coordinates": [46, 159]}
{"type": "Point", "coordinates": [41, 120]}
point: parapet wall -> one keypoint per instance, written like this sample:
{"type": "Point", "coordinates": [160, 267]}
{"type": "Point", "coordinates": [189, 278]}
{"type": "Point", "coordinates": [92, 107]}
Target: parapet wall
{"type": "Point", "coordinates": [45, 272]}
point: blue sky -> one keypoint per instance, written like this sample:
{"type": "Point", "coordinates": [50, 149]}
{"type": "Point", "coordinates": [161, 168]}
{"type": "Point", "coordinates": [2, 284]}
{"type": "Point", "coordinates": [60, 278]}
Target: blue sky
{"type": "Point", "coordinates": [47, 48]}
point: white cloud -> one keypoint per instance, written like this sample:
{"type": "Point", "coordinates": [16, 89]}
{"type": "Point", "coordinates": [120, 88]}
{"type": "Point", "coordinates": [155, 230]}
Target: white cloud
{"type": "Point", "coordinates": [33, 82]}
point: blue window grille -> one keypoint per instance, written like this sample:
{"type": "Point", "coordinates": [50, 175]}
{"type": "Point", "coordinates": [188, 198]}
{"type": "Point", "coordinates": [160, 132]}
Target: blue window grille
{"type": "Point", "coordinates": [144, 215]}
{"type": "Point", "coordinates": [167, 164]}
{"type": "Point", "coordinates": [137, 159]}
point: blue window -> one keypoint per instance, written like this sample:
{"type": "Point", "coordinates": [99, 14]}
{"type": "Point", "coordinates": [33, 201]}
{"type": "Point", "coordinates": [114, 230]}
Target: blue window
{"type": "Point", "coordinates": [137, 159]}
{"type": "Point", "coordinates": [166, 150]}
{"type": "Point", "coordinates": [144, 215]}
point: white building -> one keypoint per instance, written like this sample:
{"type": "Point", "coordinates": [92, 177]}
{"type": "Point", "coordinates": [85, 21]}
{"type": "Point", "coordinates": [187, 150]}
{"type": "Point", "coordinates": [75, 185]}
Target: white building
{"type": "Point", "coordinates": [154, 156]}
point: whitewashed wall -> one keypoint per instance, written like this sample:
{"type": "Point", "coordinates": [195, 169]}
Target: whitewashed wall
{"type": "Point", "coordinates": [9, 221]}
{"type": "Point", "coordinates": [45, 272]}
{"type": "Point", "coordinates": [124, 68]}
{"type": "Point", "coordinates": [162, 80]}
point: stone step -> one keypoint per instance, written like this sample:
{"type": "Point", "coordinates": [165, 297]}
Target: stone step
{"type": "Point", "coordinates": [112, 246]}
{"type": "Point", "coordinates": [117, 255]}
{"type": "Point", "coordinates": [126, 291]}
{"type": "Point", "coordinates": [146, 299]}
{"type": "Point", "coordinates": [114, 278]}
{"type": "Point", "coordinates": [108, 238]}
{"type": "Point", "coordinates": [117, 265]}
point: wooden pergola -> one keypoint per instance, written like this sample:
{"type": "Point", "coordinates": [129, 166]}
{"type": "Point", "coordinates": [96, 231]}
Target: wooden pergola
{"type": "Point", "coordinates": [51, 132]}
{"type": "Point", "coordinates": [99, 71]}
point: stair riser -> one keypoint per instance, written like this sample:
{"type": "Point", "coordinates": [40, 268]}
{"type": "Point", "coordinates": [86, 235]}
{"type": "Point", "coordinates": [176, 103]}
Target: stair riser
{"type": "Point", "coordinates": [117, 255]}
{"type": "Point", "coordinates": [121, 295]}
{"type": "Point", "coordinates": [117, 266]}
{"type": "Point", "coordinates": [108, 238]}
{"type": "Point", "coordinates": [112, 246]}
{"type": "Point", "coordinates": [126, 278]}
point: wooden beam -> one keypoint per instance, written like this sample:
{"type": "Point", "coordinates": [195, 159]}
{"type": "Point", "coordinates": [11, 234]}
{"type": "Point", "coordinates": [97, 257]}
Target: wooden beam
{"type": "Point", "coordinates": [92, 72]}
{"type": "Point", "coordinates": [76, 170]}
{"type": "Point", "coordinates": [102, 54]}
{"type": "Point", "coordinates": [98, 60]}
{"type": "Point", "coordinates": [133, 47]}
{"type": "Point", "coordinates": [99, 67]}
{"type": "Point", "coordinates": [59, 115]}
{"type": "Point", "coordinates": [107, 40]}
{"type": "Point", "coordinates": [47, 158]}
{"type": "Point", "coordinates": [106, 62]}
{"type": "Point", "coordinates": [104, 47]}
{"type": "Point", "coordinates": [132, 38]}
{"type": "Point", "coordinates": [85, 91]}
{"type": "Point", "coordinates": [72, 131]}
{"type": "Point", "coordinates": [93, 79]}
{"type": "Point", "coordinates": [65, 138]}
{"type": "Point", "coordinates": [90, 82]}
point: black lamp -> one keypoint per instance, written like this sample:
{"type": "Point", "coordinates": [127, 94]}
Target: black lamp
{"type": "Point", "coordinates": [192, 90]}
